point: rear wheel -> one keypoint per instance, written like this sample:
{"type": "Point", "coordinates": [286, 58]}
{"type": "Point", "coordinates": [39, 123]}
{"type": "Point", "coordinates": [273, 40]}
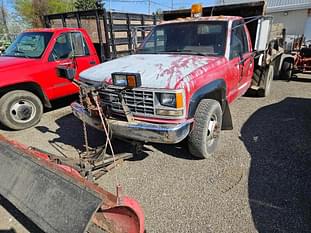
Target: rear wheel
{"type": "Point", "coordinates": [204, 136]}
{"type": "Point", "coordinates": [287, 70]}
{"type": "Point", "coordinates": [20, 109]}
{"type": "Point", "coordinates": [265, 88]}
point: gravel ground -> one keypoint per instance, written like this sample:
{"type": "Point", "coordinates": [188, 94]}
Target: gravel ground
{"type": "Point", "coordinates": [259, 180]}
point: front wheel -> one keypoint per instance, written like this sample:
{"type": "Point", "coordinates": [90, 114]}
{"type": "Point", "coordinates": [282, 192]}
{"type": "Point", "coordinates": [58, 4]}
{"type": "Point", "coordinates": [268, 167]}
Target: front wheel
{"type": "Point", "coordinates": [20, 109]}
{"type": "Point", "coordinates": [204, 136]}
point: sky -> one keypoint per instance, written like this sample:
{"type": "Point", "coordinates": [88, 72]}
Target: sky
{"type": "Point", "coordinates": [8, 4]}
{"type": "Point", "coordinates": [139, 6]}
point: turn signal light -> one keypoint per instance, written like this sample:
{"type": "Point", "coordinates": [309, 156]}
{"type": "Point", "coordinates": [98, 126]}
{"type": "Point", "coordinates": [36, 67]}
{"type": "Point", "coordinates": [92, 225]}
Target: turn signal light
{"type": "Point", "coordinates": [131, 81]}
{"type": "Point", "coordinates": [179, 100]}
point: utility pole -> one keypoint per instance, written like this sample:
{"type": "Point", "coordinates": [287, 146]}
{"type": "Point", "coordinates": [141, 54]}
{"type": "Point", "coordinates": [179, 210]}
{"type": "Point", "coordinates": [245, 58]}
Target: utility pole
{"type": "Point", "coordinates": [149, 6]}
{"type": "Point", "coordinates": [172, 4]}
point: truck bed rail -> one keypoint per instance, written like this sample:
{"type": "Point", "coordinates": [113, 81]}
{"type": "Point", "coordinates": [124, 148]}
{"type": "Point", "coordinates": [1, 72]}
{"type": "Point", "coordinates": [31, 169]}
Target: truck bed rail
{"type": "Point", "coordinates": [109, 31]}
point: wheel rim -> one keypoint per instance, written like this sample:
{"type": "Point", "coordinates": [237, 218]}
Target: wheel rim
{"type": "Point", "coordinates": [23, 111]}
{"type": "Point", "coordinates": [213, 130]}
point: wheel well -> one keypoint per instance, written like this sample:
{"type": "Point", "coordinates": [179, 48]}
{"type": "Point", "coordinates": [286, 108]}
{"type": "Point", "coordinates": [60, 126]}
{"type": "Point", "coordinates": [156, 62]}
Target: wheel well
{"type": "Point", "coordinates": [216, 91]}
{"type": "Point", "coordinates": [289, 59]}
{"type": "Point", "coordinates": [28, 86]}
{"type": "Point", "coordinates": [220, 96]}
{"type": "Point", "coordinates": [217, 95]}
{"type": "Point", "coordinates": [286, 58]}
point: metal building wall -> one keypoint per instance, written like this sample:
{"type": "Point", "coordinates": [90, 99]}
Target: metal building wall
{"type": "Point", "coordinates": [294, 21]}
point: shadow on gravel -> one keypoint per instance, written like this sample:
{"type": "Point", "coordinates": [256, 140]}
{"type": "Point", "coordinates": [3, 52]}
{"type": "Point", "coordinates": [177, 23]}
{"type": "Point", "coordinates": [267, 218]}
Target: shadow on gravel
{"type": "Point", "coordinates": [62, 102]}
{"type": "Point", "coordinates": [278, 138]}
{"type": "Point", "coordinates": [19, 216]}
{"type": "Point", "coordinates": [70, 132]}
{"type": "Point", "coordinates": [178, 150]}
{"type": "Point", "coordinates": [300, 79]}
{"type": "Point", "coordinates": [8, 231]}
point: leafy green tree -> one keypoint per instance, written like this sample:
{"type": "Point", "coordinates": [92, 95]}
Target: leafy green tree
{"type": "Point", "coordinates": [88, 4]}
{"type": "Point", "coordinates": [3, 19]}
{"type": "Point", "coordinates": [32, 11]}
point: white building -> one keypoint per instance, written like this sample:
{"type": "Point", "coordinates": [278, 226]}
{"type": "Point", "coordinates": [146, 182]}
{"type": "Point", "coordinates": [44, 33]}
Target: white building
{"type": "Point", "coordinates": [295, 15]}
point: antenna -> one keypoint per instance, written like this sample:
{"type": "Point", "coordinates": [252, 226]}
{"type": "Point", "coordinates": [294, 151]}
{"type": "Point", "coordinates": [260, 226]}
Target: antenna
{"type": "Point", "coordinates": [212, 11]}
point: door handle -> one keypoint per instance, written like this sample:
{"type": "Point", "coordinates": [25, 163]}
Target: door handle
{"type": "Point", "coordinates": [92, 62]}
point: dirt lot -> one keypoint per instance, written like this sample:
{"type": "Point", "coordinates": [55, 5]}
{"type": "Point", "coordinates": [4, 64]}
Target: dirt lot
{"type": "Point", "coordinates": [259, 180]}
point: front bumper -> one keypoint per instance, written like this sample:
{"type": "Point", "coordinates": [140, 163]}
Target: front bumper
{"type": "Point", "coordinates": [137, 130]}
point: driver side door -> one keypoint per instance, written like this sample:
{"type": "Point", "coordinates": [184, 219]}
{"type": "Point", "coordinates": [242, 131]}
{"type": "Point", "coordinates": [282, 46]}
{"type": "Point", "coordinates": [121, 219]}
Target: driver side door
{"type": "Point", "coordinates": [71, 50]}
{"type": "Point", "coordinates": [241, 55]}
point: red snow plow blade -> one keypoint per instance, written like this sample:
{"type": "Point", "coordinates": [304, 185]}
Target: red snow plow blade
{"type": "Point", "coordinates": [57, 199]}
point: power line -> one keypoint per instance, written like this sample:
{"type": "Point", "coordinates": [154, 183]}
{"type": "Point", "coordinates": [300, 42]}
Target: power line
{"type": "Point", "coordinates": [159, 4]}
{"type": "Point", "coordinates": [149, 3]}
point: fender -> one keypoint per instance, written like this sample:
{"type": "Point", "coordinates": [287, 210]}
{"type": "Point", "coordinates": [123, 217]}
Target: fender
{"type": "Point", "coordinates": [28, 86]}
{"type": "Point", "coordinates": [214, 90]}
{"type": "Point", "coordinates": [285, 57]}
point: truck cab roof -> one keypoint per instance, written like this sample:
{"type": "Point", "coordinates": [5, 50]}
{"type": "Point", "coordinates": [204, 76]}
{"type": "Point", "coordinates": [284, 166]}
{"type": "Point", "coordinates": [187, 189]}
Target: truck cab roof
{"type": "Point", "coordinates": [205, 18]}
{"type": "Point", "coordinates": [53, 29]}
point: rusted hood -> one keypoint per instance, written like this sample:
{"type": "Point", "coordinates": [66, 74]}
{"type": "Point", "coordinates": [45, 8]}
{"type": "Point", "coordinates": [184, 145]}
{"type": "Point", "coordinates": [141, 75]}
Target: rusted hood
{"type": "Point", "coordinates": [156, 70]}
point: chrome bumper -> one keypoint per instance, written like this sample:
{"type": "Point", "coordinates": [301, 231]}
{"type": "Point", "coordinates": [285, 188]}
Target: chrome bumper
{"type": "Point", "coordinates": [138, 130]}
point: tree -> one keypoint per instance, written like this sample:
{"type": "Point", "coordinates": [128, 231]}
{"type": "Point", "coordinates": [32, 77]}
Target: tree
{"type": "Point", "coordinates": [3, 19]}
{"type": "Point", "coordinates": [32, 11]}
{"type": "Point", "coordinates": [88, 4]}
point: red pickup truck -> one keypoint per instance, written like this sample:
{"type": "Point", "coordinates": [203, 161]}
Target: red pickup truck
{"type": "Point", "coordinates": [190, 71]}
{"type": "Point", "coordinates": [28, 72]}
{"type": "Point", "coordinates": [29, 78]}
{"type": "Point", "coordinates": [182, 79]}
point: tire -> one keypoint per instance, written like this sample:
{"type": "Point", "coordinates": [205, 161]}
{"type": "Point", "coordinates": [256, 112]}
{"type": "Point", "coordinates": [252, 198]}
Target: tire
{"type": "Point", "coordinates": [20, 109]}
{"type": "Point", "coordinates": [286, 70]}
{"type": "Point", "coordinates": [265, 88]}
{"type": "Point", "coordinates": [204, 136]}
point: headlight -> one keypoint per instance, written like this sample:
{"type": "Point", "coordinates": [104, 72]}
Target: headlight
{"type": "Point", "coordinates": [129, 80]}
{"type": "Point", "coordinates": [168, 99]}
{"type": "Point", "coordinates": [120, 80]}
{"type": "Point", "coordinates": [173, 100]}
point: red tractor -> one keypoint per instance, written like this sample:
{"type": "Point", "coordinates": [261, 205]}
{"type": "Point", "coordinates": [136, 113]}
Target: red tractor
{"type": "Point", "coordinates": [303, 60]}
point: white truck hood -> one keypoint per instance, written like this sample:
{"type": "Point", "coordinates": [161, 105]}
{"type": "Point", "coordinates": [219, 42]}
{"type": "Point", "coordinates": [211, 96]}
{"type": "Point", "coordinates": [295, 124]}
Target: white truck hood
{"type": "Point", "coordinates": [156, 70]}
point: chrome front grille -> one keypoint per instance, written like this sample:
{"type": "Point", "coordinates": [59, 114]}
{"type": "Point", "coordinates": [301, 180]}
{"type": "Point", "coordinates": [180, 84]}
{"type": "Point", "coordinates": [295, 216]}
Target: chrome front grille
{"type": "Point", "coordinates": [140, 102]}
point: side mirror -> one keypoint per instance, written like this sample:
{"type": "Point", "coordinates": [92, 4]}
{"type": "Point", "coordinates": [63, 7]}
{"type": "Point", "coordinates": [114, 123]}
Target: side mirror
{"type": "Point", "coordinates": [65, 72]}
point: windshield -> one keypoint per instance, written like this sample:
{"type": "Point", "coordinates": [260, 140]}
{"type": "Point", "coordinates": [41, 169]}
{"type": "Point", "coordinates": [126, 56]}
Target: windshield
{"type": "Point", "coordinates": [198, 38]}
{"type": "Point", "coordinates": [29, 45]}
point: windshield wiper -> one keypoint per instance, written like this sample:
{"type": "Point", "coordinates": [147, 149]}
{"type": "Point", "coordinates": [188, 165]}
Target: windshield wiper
{"type": "Point", "coordinates": [193, 53]}
{"type": "Point", "coordinates": [190, 52]}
